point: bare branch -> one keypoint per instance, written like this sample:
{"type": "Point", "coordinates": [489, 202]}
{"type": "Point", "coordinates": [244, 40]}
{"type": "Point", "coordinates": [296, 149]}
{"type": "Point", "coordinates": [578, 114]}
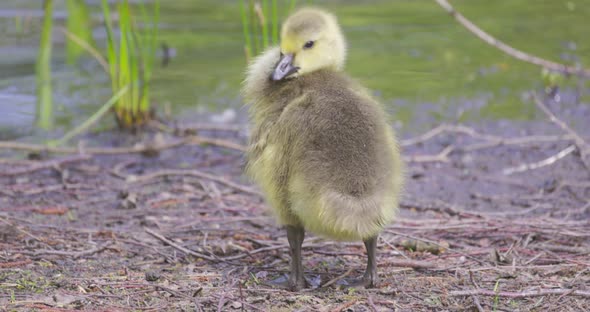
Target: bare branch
{"type": "Point", "coordinates": [545, 162]}
{"type": "Point", "coordinates": [583, 146]}
{"type": "Point", "coordinates": [517, 54]}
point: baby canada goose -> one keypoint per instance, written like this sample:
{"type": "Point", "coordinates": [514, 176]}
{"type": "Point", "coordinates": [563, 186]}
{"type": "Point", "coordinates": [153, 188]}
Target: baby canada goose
{"type": "Point", "coordinates": [321, 148]}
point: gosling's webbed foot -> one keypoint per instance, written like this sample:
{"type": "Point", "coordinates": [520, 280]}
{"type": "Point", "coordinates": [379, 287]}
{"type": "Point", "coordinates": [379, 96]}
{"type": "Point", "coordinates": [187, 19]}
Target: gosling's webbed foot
{"type": "Point", "coordinates": [289, 283]}
{"type": "Point", "coordinates": [296, 284]}
{"type": "Point", "coordinates": [370, 279]}
{"type": "Point", "coordinates": [367, 281]}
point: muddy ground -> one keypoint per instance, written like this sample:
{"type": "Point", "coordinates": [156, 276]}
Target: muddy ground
{"type": "Point", "coordinates": [170, 224]}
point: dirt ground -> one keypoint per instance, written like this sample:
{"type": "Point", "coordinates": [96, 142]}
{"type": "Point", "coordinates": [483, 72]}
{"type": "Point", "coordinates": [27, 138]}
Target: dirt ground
{"type": "Point", "coordinates": [496, 217]}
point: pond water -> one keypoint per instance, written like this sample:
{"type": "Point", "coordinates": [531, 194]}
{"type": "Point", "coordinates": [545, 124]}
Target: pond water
{"type": "Point", "coordinates": [414, 56]}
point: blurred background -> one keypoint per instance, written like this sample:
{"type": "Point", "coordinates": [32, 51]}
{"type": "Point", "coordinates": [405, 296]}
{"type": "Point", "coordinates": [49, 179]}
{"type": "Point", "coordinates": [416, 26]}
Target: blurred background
{"type": "Point", "coordinates": [419, 61]}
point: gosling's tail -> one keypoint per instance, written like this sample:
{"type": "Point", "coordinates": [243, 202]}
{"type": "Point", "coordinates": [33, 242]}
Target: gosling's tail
{"type": "Point", "coordinates": [346, 217]}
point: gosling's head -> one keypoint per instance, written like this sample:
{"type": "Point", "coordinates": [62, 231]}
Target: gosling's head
{"type": "Point", "coordinates": [310, 40]}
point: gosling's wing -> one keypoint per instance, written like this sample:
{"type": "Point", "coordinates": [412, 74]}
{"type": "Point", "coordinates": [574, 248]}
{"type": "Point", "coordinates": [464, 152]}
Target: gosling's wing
{"type": "Point", "coordinates": [340, 136]}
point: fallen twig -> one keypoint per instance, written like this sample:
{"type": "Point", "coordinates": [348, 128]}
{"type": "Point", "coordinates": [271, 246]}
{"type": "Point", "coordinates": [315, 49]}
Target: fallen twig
{"type": "Point", "coordinates": [414, 264]}
{"type": "Point", "coordinates": [520, 55]}
{"type": "Point", "coordinates": [178, 247]}
{"type": "Point", "coordinates": [344, 306]}
{"type": "Point", "coordinates": [337, 278]}
{"type": "Point", "coordinates": [438, 207]}
{"type": "Point", "coordinates": [45, 165]}
{"type": "Point", "coordinates": [474, 297]}
{"type": "Point", "coordinates": [139, 148]}
{"type": "Point", "coordinates": [437, 244]}
{"type": "Point", "coordinates": [14, 264]}
{"type": "Point", "coordinates": [73, 254]}
{"type": "Point", "coordinates": [532, 139]}
{"type": "Point", "coordinates": [371, 303]}
{"type": "Point", "coordinates": [196, 173]}
{"type": "Point", "coordinates": [443, 156]}
{"type": "Point", "coordinates": [583, 146]}
{"type": "Point", "coordinates": [545, 162]}
{"type": "Point", "coordinates": [521, 295]}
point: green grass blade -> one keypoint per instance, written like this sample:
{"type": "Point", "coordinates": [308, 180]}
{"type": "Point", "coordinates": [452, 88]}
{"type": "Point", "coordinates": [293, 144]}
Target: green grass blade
{"type": "Point", "coordinates": [111, 45]}
{"type": "Point", "coordinates": [149, 59]}
{"type": "Point", "coordinates": [18, 25]}
{"type": "Point", "coordinates": [94, 118]}
{"type": "Point", "coordinates": [88, 48]}
{"type": "Point", "coordinates": [134, 75]}
{"type": "Point", "coordinates": [78, 23]}
{"type": "Point", "coordinates": [44, 116]}
{"type": "Point", "coordinates": [246, 28]}
{"type": "Point", "coordinates": [125, 106]}
{"type": "Point", "coordinates": [264, 23]}
{"type": "Point", "coordinates": [253, 23]}
{"type": "Point", "coordinates": [292, 5]}
{"type": "Point", "coordinates": [155, 33]}
{"type": "Point", "coordinates": [275, 22]}
{"type": "Point", "coordinates": [148, 42]}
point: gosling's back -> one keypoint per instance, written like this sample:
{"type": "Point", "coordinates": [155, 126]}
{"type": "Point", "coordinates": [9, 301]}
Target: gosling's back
{"type": "Point", "coordinates": [325, 155]}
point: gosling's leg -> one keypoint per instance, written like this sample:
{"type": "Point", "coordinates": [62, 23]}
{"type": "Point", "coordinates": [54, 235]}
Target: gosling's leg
{"type": "Point", "coordinates": [370, 278]}
{"type": "Point", "coordinates": [295, 235]}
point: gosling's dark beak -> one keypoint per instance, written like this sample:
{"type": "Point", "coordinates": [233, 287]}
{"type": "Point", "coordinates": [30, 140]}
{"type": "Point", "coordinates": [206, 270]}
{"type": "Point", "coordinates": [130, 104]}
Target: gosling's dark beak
{"type": "Point", "coordinates": [284, 67]}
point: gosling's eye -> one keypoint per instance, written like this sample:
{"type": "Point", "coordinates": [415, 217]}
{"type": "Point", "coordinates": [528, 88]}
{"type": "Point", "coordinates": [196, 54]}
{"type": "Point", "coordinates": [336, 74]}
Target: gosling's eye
{"type": "Point", "coordinates": [308, 45]}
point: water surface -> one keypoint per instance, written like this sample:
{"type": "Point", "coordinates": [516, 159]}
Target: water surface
{"type": "Point", "coordinates": [408, 52]}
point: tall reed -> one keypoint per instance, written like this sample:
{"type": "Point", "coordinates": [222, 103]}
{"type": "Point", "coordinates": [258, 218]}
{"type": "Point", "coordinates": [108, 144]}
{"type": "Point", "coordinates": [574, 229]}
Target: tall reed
{"type": "Point", "coordinates": [79, 25]}
{"type": "Point", "coordinates": [44, 116]}
{"type": "Point", "coordinates": [130, 61]}
{"type": "Point", "coordinates": [260, 23]}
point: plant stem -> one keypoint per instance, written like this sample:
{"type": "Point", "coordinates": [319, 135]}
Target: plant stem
{"type": "Point", "coordinates": [275, 23]}
{"type": "Point", "coordinates": [246, 29]}
{"type": "Point", "coordinates": [78, 23]}
{"type": "Point", "coordinates": [88, 48]}
{"type": "Point", "coordinates": [93, 119]}
{"type": "Point", "coordinates": [264, 23]}
{"type": "Point", "coordinates": [44, 117]}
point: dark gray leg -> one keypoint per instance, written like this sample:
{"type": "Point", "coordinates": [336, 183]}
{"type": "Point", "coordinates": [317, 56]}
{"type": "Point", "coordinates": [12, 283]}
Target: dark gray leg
{"type": "Point", "coordinates": [295, 235]}
{"type": "Point", "coordinates": [370, 278]}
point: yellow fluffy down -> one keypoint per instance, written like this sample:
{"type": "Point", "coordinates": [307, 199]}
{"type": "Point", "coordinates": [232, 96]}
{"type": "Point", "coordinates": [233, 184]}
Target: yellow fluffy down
{"type": "Point", "coordinates": [339, 216]}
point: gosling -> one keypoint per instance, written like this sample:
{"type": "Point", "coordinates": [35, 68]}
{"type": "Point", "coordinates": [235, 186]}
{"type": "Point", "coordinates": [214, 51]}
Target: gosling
{"type": "Point", "coordinates": [321, 148]}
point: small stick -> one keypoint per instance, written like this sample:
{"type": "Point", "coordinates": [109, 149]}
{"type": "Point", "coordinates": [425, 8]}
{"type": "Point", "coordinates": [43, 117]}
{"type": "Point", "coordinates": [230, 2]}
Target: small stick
{"type": "Point", "coordinates": [14, 264]}
{"type": "Point", "coordinates": [477, 304]}
{"type": "Point", "coordinates": [178, 247]}
{"type": "Point", "coordinates": [210, 127]}
{"type": "Point", "coordinates": [581, 143]}
{"type": "Point", "coordinates": [45, 165]}
{"type": "Point", "coordinates": [172, 292]}
{"type": "Point", "coordinates": [371, 303]}
{"type": "Point", "coordinates": [222, 300]}
{"type": "Point", "coordinates": [437, 244]}
{"type": "Point", "coordinates": [73, 254]}
{"type": "Point", "coordinates": [337, 278]}
{"type": "Point", "coordinates": [199, 174]}
{"type": "Point", "coordinates": [2, 219]}
{"type": "Point", "coordinates": [344, 306]}
{"type": "Point", "coordinates": [531, 139]}
{"type": "Point", "coordinates": [474, 297]}
{"type": "Point", "coordinates": [414, 264]}
{"type": "Point", "coordinates": [521, 295]}
{"type": "Point", "coordinates": [140, 148]}
{"type": "Point", "coordinates": [442, 156]}
{"type": "Point", "coordinates": [517, 54]}
{"type": "Point", "coordinates": [426, 136]}
{"type": "Point", "coordinates": [545, 162]}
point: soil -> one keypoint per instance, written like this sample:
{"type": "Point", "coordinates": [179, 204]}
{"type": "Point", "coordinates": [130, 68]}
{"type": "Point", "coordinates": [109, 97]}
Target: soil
{"type": "Point", "coordinates": [181, 229]}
